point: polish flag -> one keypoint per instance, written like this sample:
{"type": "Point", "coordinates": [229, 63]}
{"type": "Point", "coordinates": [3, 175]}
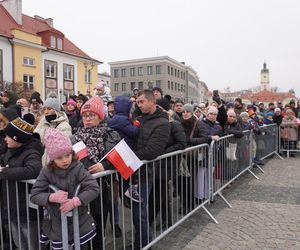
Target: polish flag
{"type": "Point", "coordinates": [124, 159]}
{"type": "Point", "coordinates": [80, 150]}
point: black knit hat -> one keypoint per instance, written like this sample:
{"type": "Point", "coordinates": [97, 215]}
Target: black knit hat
{"type": "Point", "coordinates": [19, 130]}
{"type": "Point", "coordinates": [36, 97]}
{"type": "Point", "coordinates": [8, 114]}
{"type": "Point", "coordinates": [81, 97]}
{"type": "Point", "coordinates": [164, 103]}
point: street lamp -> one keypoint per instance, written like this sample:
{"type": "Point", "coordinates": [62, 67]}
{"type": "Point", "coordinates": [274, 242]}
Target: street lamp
{"type": "Point", "coordinates": [88, 66]}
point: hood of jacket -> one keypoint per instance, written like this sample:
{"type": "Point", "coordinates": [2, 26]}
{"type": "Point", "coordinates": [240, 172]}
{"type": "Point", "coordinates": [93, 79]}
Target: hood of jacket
{"type": "Point", "coordinates": [122, 105]}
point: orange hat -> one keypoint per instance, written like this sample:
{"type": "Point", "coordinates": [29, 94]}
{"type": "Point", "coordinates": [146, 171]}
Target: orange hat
{"type": "Point", "coordinates": [250, 112]}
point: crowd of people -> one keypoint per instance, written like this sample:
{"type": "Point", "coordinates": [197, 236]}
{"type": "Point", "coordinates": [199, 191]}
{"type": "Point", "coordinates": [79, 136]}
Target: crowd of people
{"type": "Point", "coordinates": [36, 139]}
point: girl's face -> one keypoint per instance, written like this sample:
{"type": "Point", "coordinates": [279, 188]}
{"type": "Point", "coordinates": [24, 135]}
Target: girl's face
{"type": "Point", "coordinates": [186, 115]}
{"type": "Point", "coordinates": [48, 111]}
{"type": "Point", "coordinates": [63, 161]}
{"type": "Point", "coordinates": [70, 108]}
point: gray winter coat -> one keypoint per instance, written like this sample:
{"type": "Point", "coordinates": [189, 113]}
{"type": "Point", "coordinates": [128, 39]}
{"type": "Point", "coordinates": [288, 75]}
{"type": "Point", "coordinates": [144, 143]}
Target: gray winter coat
{"type": "Point", "coordinates": [66, 180]}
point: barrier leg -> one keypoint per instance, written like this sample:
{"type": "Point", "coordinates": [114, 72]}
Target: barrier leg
{"type": "Point", "coordinates": [210, 215]}
{"type": "Point", "coordinates": [223, 198]}
{"type": "Point", "coordinates": [278, 155]}
{"type": "Point", "coordinates": [253, 174]}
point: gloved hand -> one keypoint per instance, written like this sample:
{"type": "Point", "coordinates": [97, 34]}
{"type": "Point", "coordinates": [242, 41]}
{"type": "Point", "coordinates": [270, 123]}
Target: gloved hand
{"type": "Point", "coordinates": [70, 204]}
{"type": "Point", "coordinates": [58, 197]}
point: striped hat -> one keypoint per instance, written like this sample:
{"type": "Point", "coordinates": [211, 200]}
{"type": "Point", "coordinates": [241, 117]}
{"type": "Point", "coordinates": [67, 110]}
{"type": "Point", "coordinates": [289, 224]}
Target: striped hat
{"type": "Point", "coordinates": [19, 130]}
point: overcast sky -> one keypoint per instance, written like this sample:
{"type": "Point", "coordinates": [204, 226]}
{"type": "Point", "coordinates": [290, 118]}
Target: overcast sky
{"type": "Point", "coordinates": [225, 41]}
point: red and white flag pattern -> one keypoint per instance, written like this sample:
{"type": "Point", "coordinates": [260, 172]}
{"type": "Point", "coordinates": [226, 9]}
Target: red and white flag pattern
{"type": "Point", "coordinates": [124, 159]}
{"type": "Point", "coordinates": [80, 150]}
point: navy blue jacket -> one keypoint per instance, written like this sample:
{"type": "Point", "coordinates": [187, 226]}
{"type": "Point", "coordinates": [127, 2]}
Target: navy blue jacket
{"type": "Point", "coordinates": [121, 122]}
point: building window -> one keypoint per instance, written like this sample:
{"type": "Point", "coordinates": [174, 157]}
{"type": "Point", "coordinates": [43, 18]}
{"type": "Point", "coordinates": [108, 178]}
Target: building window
{"type": "Point", "coordinates": [149, 70]}
{"type": "Point", "coordinates": [141, 85]}
{"type": "Point", "coordinates": [171, 71]}
{"type": "Point", "coordinates": [158, 83]}
{"type": "Point", "coordinates": [172, 86]}
{"type": "Point", "coordinates": [116, 87]}
{"type": "Point", "coordinates": [124, 86]}
{"type": "Point", "coordinates": [59, 43]}
{"type": "Point", "coordinates": [51, 69]}
{"type": "Point", "coordinates": [168, 70]}
{"type": "Point", "coordinates": [140, 71]}
{"type": "Point", "coordinates": [116, 73]}
{"type": "Point", "coordinates": [28, 61]}
{"type": "Point", "coordinates": [183, 75]}
{"type": "Point", "coordinates": [87, 76]}
{"type": "Point", "coordinates": [68, 72]}
{"type": "Point", "coordinates": [175, 72]}
{"type": "Point", "coordinates": [150, 85]}
{"type": "Point", "coordinates": [52, 42]}
{"type": "Point", "coordinates": [158, 69]}
{"type": "Point", "coordinates": [132, 85]}
{"type": "Point", "coordinates": [175, 86]}
{"type": "Point", "coordinates": [123, 72]}
{"type": "Point", "coordinates": [28, 81]}
{"type": "Point", "coordinates": [132, 71]}
{"type": "Point", "coordinates": [168, 84]}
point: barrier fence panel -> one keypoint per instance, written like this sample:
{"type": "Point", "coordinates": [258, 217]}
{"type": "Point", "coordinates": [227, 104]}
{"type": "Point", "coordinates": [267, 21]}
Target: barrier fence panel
{"type": "Point", "coordinates": [289, 138]}
{"type": "Point", "coordinates": [156, 199]}
{"type": "Point", "coordinates": [164, 192]}
{"type": "Point", "coordinates": [231, 157]}
{"type": "Point", "coordinates": [266, 141]}
{"type": "Point", "coordinates": [19, 221]}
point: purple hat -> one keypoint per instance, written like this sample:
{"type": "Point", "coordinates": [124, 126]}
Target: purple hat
{"type": "Point", "coordinates": [56, 143]}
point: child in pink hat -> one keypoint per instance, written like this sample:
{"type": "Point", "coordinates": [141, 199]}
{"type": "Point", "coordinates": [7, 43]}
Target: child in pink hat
{"type": "Point", "coordinates": [65, 172]}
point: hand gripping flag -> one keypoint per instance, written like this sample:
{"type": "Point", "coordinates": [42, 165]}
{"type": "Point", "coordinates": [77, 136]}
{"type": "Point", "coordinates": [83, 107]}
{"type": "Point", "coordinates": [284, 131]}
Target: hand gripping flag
{"type": "Point", "coordinates": [81, 150]}
{"type": "Point", "coordinates": [124, 159]}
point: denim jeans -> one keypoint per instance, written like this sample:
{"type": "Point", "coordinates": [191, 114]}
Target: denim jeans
{"type": "Point", "coordinates": [140, 216]}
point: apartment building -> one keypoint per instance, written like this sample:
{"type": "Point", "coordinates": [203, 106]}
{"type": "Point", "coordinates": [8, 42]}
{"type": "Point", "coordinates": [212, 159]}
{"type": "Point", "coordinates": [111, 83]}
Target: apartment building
{"type": "Point", "coordinates": [173, 77]}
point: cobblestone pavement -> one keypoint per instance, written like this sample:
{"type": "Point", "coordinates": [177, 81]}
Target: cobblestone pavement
{"type": "Point", "coordinates": [265, 214]}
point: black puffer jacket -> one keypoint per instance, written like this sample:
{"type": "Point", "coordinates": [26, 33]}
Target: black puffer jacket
{"type": "Point", "coordinates": [207, 129]}
{"type": "Point", "coordinates": [22, 164]}
{"type": "Point", "coordinates": [233, 129]}
{"type": "Point", "coordinates": [177, 138]}
{"type": "Point", "coordinates": [153, 136]}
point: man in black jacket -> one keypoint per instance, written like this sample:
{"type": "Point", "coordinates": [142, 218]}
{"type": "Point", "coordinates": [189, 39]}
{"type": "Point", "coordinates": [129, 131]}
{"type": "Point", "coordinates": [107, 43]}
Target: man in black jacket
{"type": "Point", "coordinates": [151, 143]}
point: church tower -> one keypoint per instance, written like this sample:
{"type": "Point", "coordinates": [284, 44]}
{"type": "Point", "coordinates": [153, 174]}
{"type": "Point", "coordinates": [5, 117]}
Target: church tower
{"type": "Point", "coordinates": [265, 78]}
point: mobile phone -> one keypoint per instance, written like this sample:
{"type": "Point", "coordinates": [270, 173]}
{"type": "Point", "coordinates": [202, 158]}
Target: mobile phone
{"type": "Point", "coordinates": [215, 92]}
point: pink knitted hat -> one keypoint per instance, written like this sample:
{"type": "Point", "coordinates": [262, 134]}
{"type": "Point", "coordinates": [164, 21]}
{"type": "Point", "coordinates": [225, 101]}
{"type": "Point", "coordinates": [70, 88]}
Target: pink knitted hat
{"type": "Point", "coordinates": [71, 102]}
{"type": "Point", "coordinates": [95, 105]}
{"type": "Point", "coordinates": [56, 143]}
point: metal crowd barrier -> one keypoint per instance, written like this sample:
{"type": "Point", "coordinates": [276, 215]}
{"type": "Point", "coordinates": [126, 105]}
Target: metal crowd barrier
{"type": "Point", "coordinates": [289, 138]}
{"type": "Point", "coordinates": [172, 186]}
{"type": "Point", "coordinates": [231, 157]}
{"type": "Point", "coordinates": [267, 141]}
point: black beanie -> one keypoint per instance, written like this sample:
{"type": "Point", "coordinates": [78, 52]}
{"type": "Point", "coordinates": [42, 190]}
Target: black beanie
{"type": "Point", "coordinates": [8, 114]}
{"type": "Point", "coordinates": [36, 97]}
{"type": "Point", "coordinates": [164, 103]}
{"type": "Point", "coordinates": [19, 130]}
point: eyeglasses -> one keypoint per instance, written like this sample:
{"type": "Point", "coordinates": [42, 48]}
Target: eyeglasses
{"type": "Point", "coordinates": [89, 116]}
